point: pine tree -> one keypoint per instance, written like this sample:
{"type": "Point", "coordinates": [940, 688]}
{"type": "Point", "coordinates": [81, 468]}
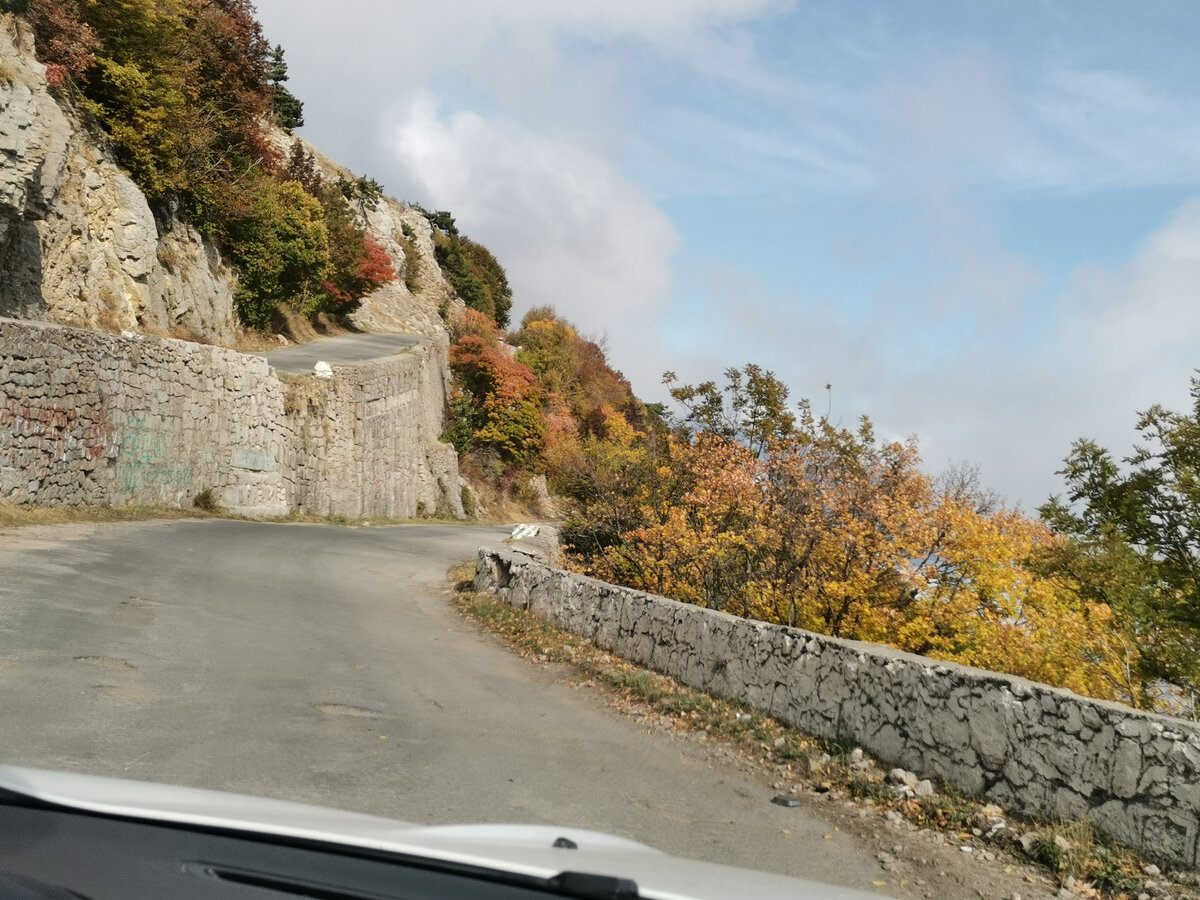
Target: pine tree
{"type": "Point", "coordinates": [286, 110]}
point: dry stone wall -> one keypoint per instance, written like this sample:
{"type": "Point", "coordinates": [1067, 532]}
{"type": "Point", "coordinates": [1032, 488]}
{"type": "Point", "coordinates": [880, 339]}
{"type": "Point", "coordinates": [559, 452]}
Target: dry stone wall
{"type": "Point", "coordinates": [1029, 747]}
{"type": "Point", "coordinates": [97, 419]}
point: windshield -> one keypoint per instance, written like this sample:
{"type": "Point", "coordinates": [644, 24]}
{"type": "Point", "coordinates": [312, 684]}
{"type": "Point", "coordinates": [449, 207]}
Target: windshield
{"type": "Point", "coordinates": [833, 360]}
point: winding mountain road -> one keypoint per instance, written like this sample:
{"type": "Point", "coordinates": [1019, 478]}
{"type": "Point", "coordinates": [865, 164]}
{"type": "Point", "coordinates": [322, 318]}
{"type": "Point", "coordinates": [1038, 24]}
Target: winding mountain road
{"type": "Point", "coordinates": [327, 665]}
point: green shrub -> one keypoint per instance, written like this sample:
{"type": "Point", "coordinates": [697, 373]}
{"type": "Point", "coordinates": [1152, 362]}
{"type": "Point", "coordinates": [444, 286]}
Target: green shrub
{"type": "Point", "coordinates": [278, 241]}
{"type": "Point", "coordinates": [207, 501]}
{"type": "Point", "coordinates": [478, 279]}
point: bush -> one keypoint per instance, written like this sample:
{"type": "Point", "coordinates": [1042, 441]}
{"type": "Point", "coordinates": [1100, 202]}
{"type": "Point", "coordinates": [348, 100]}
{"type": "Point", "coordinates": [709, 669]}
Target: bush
{"type": "Point", "coordinates": [277, 239]}
{"type": "Point", "coordinates": [478, 279]}
{"type": "Point", "coordinates": [207, 501]}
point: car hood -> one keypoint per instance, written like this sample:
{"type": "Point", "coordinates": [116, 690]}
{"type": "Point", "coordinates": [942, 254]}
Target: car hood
{"type": "Point", "coordinates": [524, 849]}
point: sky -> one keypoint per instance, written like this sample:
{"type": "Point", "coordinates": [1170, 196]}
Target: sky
{"type": "Point", "coordinates": [978, 222]}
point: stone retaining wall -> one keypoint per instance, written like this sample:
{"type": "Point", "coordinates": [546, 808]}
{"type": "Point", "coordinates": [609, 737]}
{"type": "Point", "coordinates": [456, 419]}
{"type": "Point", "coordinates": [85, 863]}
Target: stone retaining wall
{"type": "Point", "coordinates": [98, 419]}
{"type": "Point", "coordinates": [1031, 748]}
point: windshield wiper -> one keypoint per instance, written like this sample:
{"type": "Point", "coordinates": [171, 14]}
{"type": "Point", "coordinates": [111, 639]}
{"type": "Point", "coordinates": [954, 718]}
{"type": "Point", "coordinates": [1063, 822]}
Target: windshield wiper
{"type": "Point", "coordinates": [585, 886]}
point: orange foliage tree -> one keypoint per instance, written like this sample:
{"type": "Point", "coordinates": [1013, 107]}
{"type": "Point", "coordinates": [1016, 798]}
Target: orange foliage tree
{"type": "Point", "coordinates": [497, 401]}
{"type": "Point", "coordinates": [789, 519]}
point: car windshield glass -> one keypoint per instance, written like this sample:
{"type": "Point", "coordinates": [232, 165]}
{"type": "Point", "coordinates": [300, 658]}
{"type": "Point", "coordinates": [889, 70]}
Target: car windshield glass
{"type": "Point", "coordinates": [697, 443]}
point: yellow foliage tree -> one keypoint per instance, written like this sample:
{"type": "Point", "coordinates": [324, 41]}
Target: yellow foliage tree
{"type": "Point", "coordinates": [830, 530]}
{"type": "Point", "coordinates": [983, 606]}
{"type": "Point", "coordinates": [700, 547]}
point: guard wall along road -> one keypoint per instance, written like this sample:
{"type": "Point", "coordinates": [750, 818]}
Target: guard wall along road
{"type": "Point", "coordinates": [1031, 748]}
{"type": "Point", "coordinates": [98, 419]}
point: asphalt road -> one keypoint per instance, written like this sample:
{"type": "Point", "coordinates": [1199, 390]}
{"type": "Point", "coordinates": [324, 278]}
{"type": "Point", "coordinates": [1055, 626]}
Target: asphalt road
{"type": "Point", "coordinates": [343, 349]}
{"type": "Point", "coordinates": [326, 665]}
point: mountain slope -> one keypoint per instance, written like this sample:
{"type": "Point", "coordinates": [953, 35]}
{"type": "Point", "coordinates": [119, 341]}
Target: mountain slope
{"type": "Point", "coordinates": [80, 244]}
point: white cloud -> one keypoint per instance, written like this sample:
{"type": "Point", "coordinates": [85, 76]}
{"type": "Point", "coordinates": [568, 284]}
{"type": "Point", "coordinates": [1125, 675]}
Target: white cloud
{"type": "Point", "coordinates": [978, 118]}
{"type": "Point", "coordinates": [1146, 311]}
{"type": "Point", "coordinates": [608, 19]}
{"type": "Point", "coordinates": [1119, 340]}
{"type": "Point", "coordinates": [970, 380]}
{"type": "Point", "coordinates": [570, 230]}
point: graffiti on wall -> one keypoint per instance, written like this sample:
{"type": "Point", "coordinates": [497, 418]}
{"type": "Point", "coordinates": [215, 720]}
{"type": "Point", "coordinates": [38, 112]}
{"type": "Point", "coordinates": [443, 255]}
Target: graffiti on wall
{"type": "Point", "coordinates": [142, 462]}
{"type": "Point", "coordinates": [37, 437]}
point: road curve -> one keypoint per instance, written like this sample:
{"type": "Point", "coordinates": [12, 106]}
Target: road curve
{"type": "Point", "coordinates": [326, 665]}
{"type": "Point", "coordinates": [343, 349]}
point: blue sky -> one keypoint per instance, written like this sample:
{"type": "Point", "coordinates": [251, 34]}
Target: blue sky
{"type": "Point", "coordinates": [979, 222]}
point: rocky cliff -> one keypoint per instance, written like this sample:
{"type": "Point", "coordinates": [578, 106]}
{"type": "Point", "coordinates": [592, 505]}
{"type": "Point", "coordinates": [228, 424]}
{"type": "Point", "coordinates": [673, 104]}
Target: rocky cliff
{"type": "Point", "coordinates": [78, 242]}
{"type": "Point", "coordinates": [80, 246]}
{"type": "Point", "coordinates": [87, 418]}
{"type": "Point", "coordinates": [395, 307]}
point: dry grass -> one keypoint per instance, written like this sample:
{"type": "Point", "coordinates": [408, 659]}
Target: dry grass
{"type": "Point", "coordinates": [17, 515]}
{"type": "Point", "coordinates": [184, 333]}
{"type": "Point", "coordinates": [296, 326]}
{"type": "Point", "coordinates": [497, 501]}
{"type": "Point", "coordinates": [329, 326]}
{"type": "Point", "coordinates": [251, 341]}
{"type": "Point", "coordinates": [1071, 852]}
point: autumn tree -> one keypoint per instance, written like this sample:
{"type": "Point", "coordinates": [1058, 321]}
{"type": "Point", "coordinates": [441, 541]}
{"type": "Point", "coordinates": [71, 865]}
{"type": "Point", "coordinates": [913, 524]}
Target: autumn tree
{"type": "Point", "coordinates": [277, 236]}
{"type": "Point", "coordinates": [1135, 537]}
{"type": "Point", "coordinates": [478, 279]}
{"type": "Point", "coordinates": [358, 263]}
{"type": "Point", "coordinates": [845, 511]}
{"type": "Point", "coordinates": [697, 527]}
{"type": "Point", "coordinates": [751, 407]}
{"type": "Point", "coordinates": [775, 514]}
{"type": "Point", "coordinates": [497, 402]}
{"type": "Point", "coordinates": [65, 43]}
{"type": "Point", "coordinates": [574, 369]}
{"type": "Point", "coordinates": [618, 480]}
{"type": "Point", "coordinates": [301, 166]}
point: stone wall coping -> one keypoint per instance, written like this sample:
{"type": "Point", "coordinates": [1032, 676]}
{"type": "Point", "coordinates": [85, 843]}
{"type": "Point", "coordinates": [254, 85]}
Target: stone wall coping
{"type": "Point", "coordinates": [1018, 686]}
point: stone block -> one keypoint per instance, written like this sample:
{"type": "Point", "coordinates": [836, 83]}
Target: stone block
{"type": "Point", "coordinates": [253, 459]}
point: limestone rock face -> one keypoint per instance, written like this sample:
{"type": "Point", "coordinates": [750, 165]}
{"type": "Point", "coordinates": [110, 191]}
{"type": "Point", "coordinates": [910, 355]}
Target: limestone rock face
{"type": "Point", "coordinates": [79, 244]}
{"type": "Point", "coordinates": [394, 308]}
{"type": "Point", "coordinates": [34, 134]}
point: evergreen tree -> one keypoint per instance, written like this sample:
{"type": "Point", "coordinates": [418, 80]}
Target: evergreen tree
{"type": "Point", "coordinates": [286, 110]}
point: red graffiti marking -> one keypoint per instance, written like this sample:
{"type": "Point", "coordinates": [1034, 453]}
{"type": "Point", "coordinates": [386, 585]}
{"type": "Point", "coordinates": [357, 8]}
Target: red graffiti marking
{"type": "Point", "coordinates": [42, 436]}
